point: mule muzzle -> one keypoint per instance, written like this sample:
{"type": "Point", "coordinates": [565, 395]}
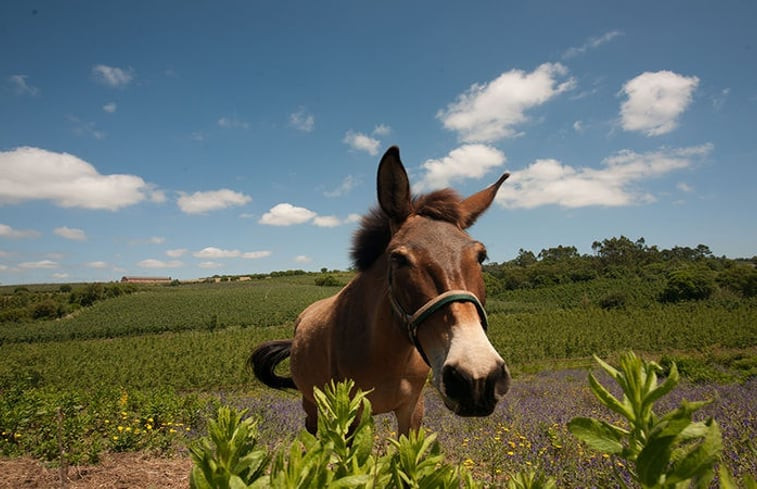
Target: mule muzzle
{"type": "Point", "coordinates": [465, 395]}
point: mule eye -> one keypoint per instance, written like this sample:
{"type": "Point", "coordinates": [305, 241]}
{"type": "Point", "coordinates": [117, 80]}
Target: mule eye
{"type": "Point", "coordinates": [482, 256]}
{"type": "Point", "coordinates": [399, 259]}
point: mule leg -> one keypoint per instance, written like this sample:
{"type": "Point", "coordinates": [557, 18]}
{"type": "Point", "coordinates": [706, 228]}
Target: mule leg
{"type": "Point", "coordinates": [311, 416]}
{"type": "Point", "coordinates": [409, 416]}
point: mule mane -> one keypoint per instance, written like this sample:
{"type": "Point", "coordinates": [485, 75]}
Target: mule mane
{"type": "Point", "coordinates": [370, 241]}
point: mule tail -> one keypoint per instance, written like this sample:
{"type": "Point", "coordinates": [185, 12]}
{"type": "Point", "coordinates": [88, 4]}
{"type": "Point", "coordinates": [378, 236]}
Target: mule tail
{"type": "Point", "coordinates": [264, 360]}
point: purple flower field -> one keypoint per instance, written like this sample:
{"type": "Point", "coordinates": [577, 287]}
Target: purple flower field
{"type": "Point", "coordinates": [528, 429]}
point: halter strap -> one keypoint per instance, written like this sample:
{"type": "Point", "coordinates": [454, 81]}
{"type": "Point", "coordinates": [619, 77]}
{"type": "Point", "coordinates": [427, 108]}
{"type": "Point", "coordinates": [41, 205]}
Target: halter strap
{"type": "Point", "coordinates": [413, 321]}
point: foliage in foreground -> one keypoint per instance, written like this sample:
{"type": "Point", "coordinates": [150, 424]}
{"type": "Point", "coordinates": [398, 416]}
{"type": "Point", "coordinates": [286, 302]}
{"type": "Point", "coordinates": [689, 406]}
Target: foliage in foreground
{"type": "Point", "coordinates": [661, 452]}
{"type": "Point", "coordinates": [668, 451]}
{"type": "Point", "coordinates": [341, 455]}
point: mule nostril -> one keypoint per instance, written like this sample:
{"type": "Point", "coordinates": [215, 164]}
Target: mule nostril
{"type": "Point", "coordinates": [501, 381]}
{"type": "Point", "coordinates": [457, 385]}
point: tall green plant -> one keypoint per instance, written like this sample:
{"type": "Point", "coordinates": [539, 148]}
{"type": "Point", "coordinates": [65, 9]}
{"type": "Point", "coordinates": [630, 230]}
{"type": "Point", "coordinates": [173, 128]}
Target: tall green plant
{"type": "Point", "coordinates": [228, 458]}
{"type": "Point", "coordinates": [341, 455]}
{"type": "Point", "coordinates": [668, 451]}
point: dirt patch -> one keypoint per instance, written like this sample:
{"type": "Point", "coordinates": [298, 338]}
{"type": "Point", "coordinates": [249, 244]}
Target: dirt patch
{"type": "Point", "coordinates": [115, 471]}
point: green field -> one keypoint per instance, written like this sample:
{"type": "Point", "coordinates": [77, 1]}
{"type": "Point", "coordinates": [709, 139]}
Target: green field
{"type": "Point", "coordinates": [139, 371]}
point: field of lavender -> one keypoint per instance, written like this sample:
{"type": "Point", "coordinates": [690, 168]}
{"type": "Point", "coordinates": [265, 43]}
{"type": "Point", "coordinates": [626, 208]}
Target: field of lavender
{"type": "Point", "coordinates": [529, 428]}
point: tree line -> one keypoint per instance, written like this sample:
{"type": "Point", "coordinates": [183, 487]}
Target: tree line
{"type": "Point", "coordinates": [691, 273]}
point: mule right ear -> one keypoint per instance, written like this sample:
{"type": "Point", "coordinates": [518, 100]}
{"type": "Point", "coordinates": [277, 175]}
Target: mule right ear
{"type": "Point", "coordinates": [394, 187]}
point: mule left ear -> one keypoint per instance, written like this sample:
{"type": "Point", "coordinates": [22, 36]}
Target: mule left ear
{"type": "Point", "coordinates": [476, 204]}
{"type": "Point", "coordinates": [394, 187]}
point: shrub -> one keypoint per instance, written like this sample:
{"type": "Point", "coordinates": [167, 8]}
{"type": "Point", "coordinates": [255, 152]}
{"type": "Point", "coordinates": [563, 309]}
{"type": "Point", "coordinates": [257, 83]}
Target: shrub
{"type": "Point", "coordinates": [327, 281]}
{"type": "Point", "coordinates": [687, 284]}
{"type": "Point", "coordinates": [613, 300]}
{"type": "Point", "coordinates": [741, 279]}
{"type": "Point", "coordinates": [47, 309]}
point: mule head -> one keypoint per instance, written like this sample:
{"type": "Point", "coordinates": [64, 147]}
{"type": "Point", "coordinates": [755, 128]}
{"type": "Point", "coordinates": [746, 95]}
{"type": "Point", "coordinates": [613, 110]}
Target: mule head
{"type": "Point", "coordinates": [437, 290]}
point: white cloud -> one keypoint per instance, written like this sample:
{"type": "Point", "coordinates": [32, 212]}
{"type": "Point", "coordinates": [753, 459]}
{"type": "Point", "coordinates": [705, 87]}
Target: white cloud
{"type": "Point", "coordinates": [352, 218]}
{"type": "Point", "coordinates": [327, 221]}
{"type": "Point", "coordinates": [176, 253]}
{"type": "Point", "coordinates": [154, 240]}
{"type": "Point", "coordinates": [382, 130]}
{"type": "Point", "coordinates": [8, 232]}
{"type": "Point", "coordinates": [684, 187]}
{"type": "Point", "coordinates": [655, 100]}
{"type": "Point", "coordinates": [489, 112]}
{"type": "Point", "coordinates": [113, 76]}
{"type": "Point", "coordinates": [153, 263]}
{"type": "Point", "coordinates": [255, 255]}
{"type": "Point", "coordinates": [467, 161]}
{"type": "Point", "coordinates": [210, 264]}
{"type": "Point", "coordinates": [361, 142]}
{"type": "Point", "coordinates": [216, 253]}
{"type": "Point", "coordinates": [233, 123]}
{"type": "Point", "coordinates": [70, 233]}
{"type": "Point", "coordinates": [36, 174]}
{"type": "Point", "coordinates": [212, 252]}
{"type": "Point", "coordinates": [347, 184]}
{"type": "Point", "coordinates": [97, 264]}
{"type": "Point", "coordinates": [302, 259]}
{"type": "Point", "coordinates": [302, 120]}
{"type": "Point", "coordinates": [60, 275]}
{"type": "Point", "coordinates": [578, 126]}
{"type": "Point", "coordinates": [20, 86]}
{"type": "Point", "coordinates": [84, 128]}
{"type": "Point", "coordinates": [110, 107]}
{"type": "Point", "coordinates": [591, 43]}
{"type": "Point", "coordinates": [718, 101]}
{"type": "Point", "coordinates": [36, 265]}
{"type": "Point", "coordinates": [285, 214]}
{"type": "Point", "coordinates": [202, 202]}
{"type": "Point", "coordinates": [549, 182]}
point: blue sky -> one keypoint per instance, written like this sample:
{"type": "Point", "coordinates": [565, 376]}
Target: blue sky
{"type": "Point", "coordinates": [188, 139]}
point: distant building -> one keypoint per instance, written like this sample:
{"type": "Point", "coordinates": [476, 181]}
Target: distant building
{"type": "Point", "coordinates": [146, 280]}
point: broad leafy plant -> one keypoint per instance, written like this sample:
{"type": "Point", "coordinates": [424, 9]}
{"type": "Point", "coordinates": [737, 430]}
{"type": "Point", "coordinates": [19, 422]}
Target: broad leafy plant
{"type": "Point", "coordinates": [661, 451]}
{"type": "Point", "coordinates": [228, 458]}
{"type": "Point", "coordinates": [341, 455]}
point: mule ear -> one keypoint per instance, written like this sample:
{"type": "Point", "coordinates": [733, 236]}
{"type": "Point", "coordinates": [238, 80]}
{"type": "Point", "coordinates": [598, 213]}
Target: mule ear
{"type": "Point", "coordinates": [476, 204]}
{"type": "Point", "coordinates": [393, 186]}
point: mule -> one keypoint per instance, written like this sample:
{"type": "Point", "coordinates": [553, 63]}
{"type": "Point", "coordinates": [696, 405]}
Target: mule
{"type": "Point", "coordinates": [416, 305]}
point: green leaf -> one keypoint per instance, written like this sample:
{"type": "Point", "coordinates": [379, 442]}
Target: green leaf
{"type": "Point", "coordinates": [606, 398]}
{"type": "Point", "coordinates": [598, 434]}
{"type": "Point", "coordinates": [726, 480]}
{"type": "Point", "coordinates": [670, 383]}
{"type": "Point", "coordinates": [236, 482]}
{"type": "Point", "coordinates": [702, 458]}
{"type": "Point", "coordinates": [653, 460]}
{"type": "Point", "coordinates": [614, 373]}
{"type": "Point", "coordinates": [352, 481]}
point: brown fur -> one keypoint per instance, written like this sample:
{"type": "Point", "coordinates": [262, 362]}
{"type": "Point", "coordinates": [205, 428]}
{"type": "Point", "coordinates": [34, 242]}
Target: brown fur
{"type": "Point", "coordinates": [371, 239]}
